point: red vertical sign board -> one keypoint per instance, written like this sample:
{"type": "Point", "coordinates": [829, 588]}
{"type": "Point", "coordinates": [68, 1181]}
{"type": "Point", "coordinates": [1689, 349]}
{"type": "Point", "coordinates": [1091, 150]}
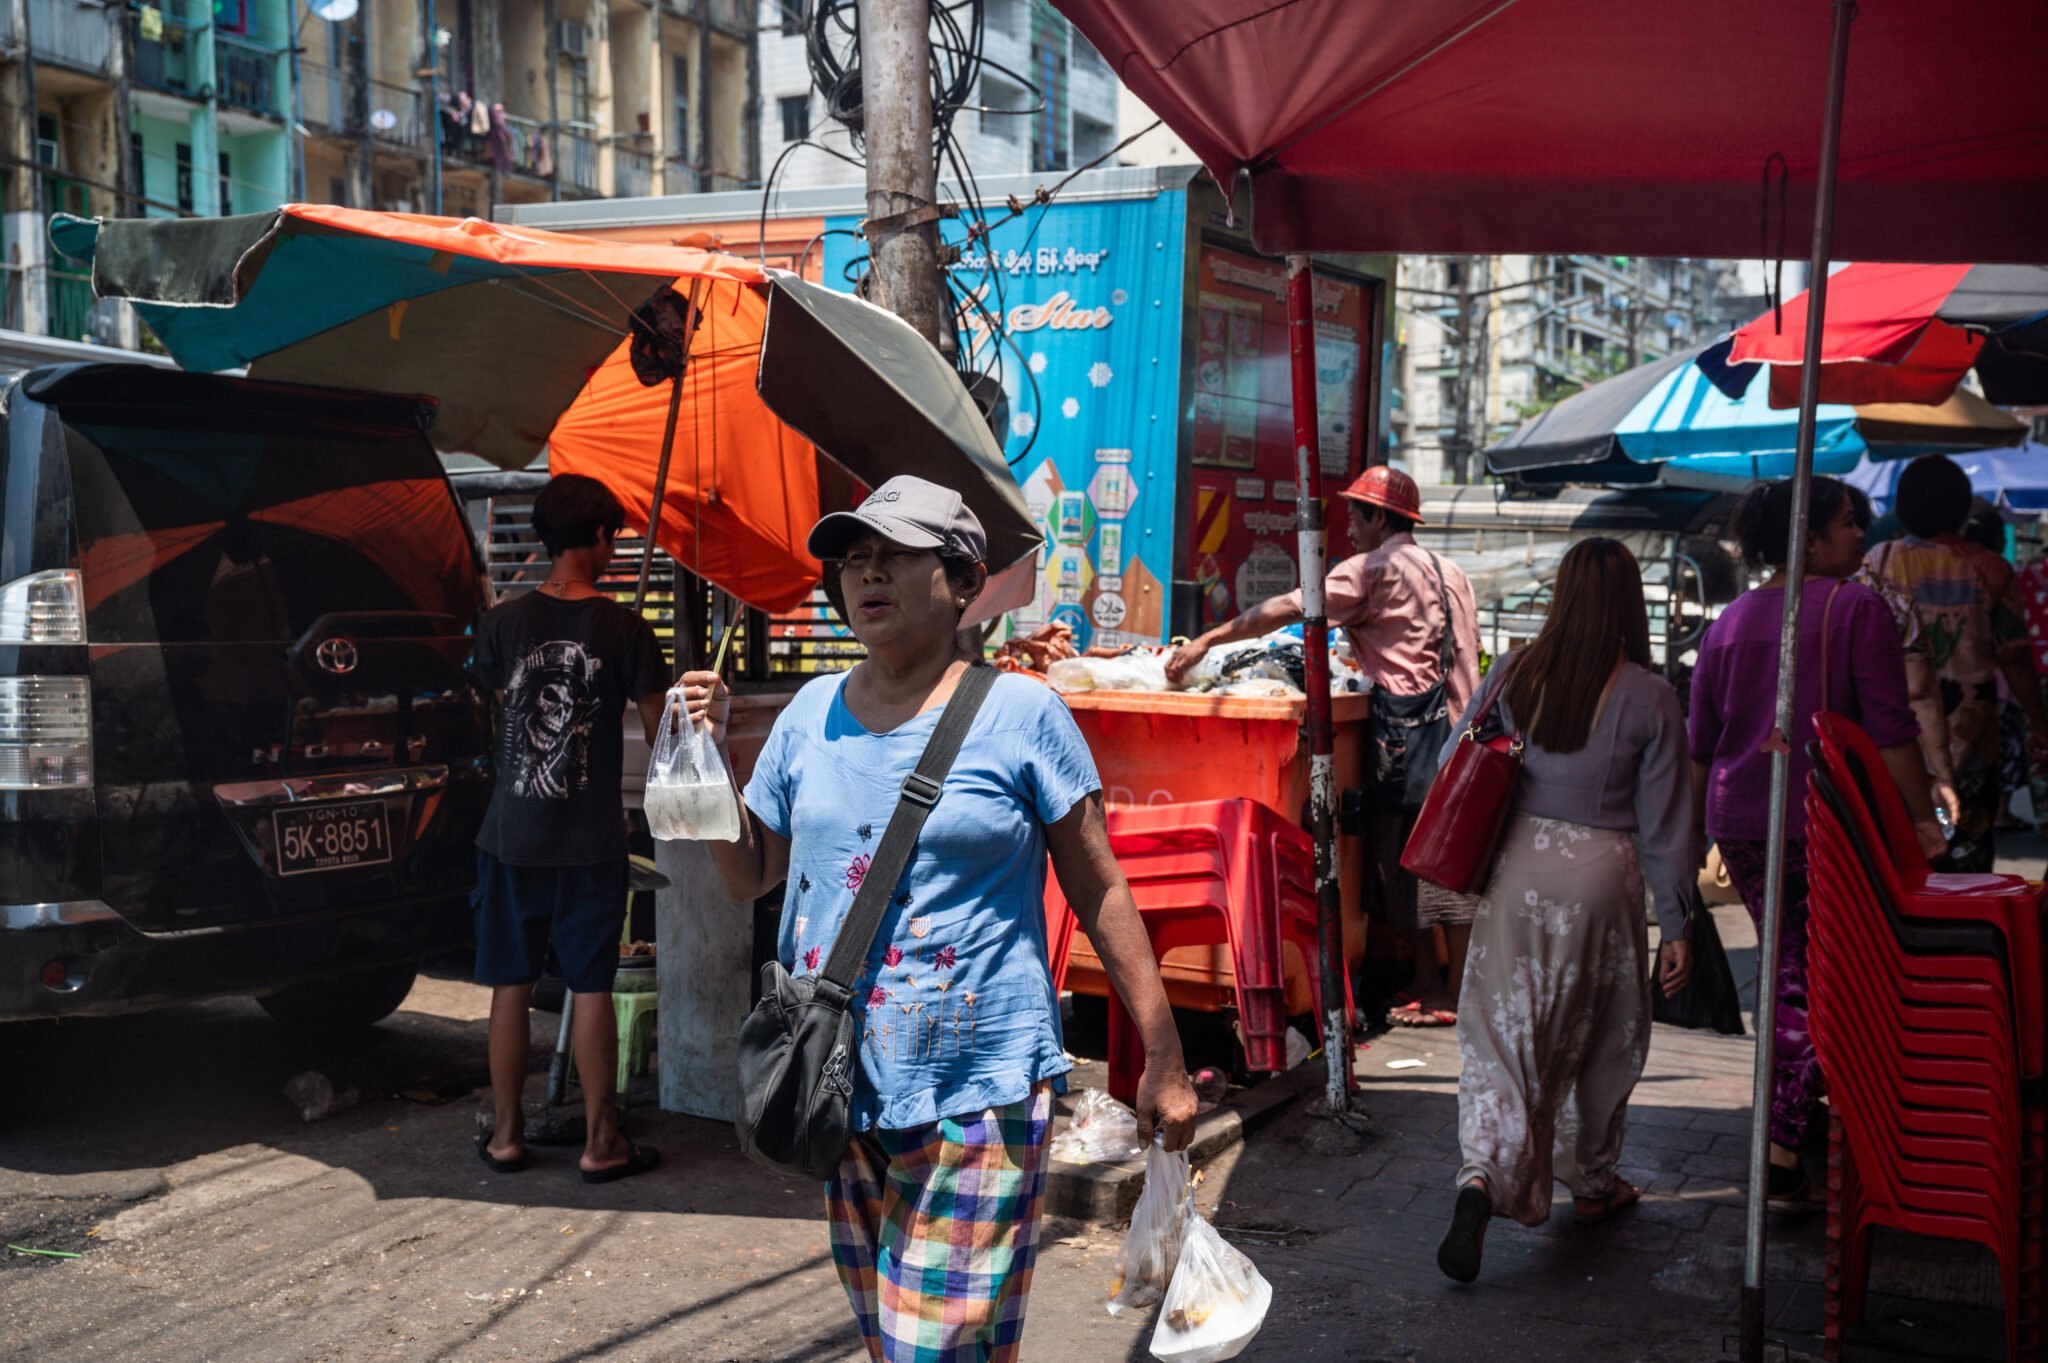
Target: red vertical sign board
{"type": "Point", "coordinates": [1242, 443]}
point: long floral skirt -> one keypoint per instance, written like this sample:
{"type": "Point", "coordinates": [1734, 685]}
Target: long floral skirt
{"type": "Point", "coordinates": [1555, 1022]}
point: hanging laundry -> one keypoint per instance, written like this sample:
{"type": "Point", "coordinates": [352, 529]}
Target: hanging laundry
{"type": "Point", "coordinates": [543, 159]}
{"type": "Point", "coordinates": [480, 117]}
{"type": "Point", "coordinates": [498, 136]}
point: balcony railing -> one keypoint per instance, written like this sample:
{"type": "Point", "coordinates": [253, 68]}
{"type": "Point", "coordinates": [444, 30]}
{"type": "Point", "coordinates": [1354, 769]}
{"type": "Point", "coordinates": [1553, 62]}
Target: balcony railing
{"type": "Point", "coordinates": [579, 156]}
{"type": "Point", "coordinates": [71, 305]}
{"type": "Point", "coordinates": [169, 61]}
{"type": "Point", "coordinates": [77, 34]}
{"type": "Point", "coordinates": [327, 97]}
{"type": "Point", "coordinates": [632, 173]}
{"type": "Point", "coordinates": [406, 125]}
{"type": "Point", "coordinates": [245, 74]}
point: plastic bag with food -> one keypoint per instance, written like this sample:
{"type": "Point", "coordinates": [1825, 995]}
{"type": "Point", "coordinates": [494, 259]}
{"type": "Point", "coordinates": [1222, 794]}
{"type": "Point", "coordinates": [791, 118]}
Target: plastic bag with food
{"type": "Point", "coordinates": [1144, 1266]}
{"type": "Point", "coordinates": [1100, 1129]}
{"type": "Point", "coordinates": [1216, 1302]}
{"type": "Point", "coordinates": [688, 793]}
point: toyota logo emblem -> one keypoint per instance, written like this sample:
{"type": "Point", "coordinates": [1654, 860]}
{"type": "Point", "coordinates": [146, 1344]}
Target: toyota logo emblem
{"type": "Point", "coordinates": [336, 655]}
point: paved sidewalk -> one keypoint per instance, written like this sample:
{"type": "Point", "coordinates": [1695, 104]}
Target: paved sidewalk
{"type": "Point", "coordinates": [376, 1235]}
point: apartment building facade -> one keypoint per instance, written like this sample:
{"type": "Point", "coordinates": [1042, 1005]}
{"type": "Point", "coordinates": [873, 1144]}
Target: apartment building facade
{"type": "Point", "coordinates": [1484, 342]}
{"type": "Point", "coordinates": [529, 101]}
{"type": "Point", "coordinates": [208, 107]}
{"type": "Point", "coordinates": [1011, 131]}
{"type": "Point", "coordinates": [128, 108]}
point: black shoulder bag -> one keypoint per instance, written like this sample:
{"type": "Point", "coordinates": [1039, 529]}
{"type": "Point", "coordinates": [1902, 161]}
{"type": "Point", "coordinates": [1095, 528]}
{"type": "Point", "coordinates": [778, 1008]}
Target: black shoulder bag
{"type": "Point", "coordinates": [798, 1052]}
{"type": "Point", "coordinates": [1409, 732]}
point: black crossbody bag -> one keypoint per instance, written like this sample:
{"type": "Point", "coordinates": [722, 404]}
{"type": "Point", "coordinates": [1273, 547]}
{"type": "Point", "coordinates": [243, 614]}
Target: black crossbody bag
{"type": "Point", "coordinates": [798, 1052]}
{"type": "Point", "coordinates": [1409, 732]}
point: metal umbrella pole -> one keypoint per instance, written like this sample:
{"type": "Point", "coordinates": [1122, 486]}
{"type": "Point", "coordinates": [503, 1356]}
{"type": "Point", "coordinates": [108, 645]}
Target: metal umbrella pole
{"type": "Point", "coordinates": [692, 317]}
{"type": "Point", "coordinates": [668, 448]}
{"type": "Point", "coordinates": [1752, 1327]}
{"type": "Point", "coordinates": [1315, 648]}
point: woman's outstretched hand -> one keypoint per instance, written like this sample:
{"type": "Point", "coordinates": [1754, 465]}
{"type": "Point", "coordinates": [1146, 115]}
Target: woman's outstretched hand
{"type": "Point", "coordinates": [708, 702]}
{"type": "Point", "coordinates": [1674, 965]}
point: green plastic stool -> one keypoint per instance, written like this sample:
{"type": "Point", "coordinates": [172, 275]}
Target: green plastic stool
{"type": "Point", "coordinates": [636, 1032]}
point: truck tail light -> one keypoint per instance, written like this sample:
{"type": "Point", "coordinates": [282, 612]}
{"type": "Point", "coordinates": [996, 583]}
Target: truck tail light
{"type": "Point", "coordinates": [45, 733]}
{"type": "Point", "coordinates": [43, 608]}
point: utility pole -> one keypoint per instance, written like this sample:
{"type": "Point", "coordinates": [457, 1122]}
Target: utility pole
{"type": "Point", "coordinates": [1461, 387]}
{"type": "Point", "coordinates": [896, 116]}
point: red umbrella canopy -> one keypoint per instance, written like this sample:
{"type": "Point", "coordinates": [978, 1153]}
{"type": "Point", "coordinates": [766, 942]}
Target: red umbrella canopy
{"type": "Point", "coordinates": [1600, 125]}
{"type": "Point", "coordinates": [1908, 333]}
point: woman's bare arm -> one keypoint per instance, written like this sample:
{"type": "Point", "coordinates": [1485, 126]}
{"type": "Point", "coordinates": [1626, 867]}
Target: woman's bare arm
{"type": "Point", "coordinates": [1923, 693]}
{"type": "Point", "coordinates": [1101, 899]}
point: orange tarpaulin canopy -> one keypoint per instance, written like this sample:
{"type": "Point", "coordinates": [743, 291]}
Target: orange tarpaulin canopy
{"type": "Point", "coordinates": [742, 486]}
{"type": "Point", "coordinates": [520, 335]}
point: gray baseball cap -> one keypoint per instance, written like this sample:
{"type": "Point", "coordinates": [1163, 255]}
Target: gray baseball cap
{"type": "Point", "coordinates": [907, 511]}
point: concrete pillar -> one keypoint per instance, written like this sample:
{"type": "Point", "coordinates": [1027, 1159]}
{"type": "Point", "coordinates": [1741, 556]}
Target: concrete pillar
{"type": "Point", "coordinates": [704, 948]}
{"type": "Point", "coordinates": [205, 162]}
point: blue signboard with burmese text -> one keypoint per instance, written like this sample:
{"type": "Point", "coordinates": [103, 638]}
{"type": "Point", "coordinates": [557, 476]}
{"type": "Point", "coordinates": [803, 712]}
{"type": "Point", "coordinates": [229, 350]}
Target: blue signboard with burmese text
{"type": "Point", "coordinates": [1079, 308]}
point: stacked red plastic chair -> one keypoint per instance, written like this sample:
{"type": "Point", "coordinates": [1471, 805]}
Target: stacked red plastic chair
{"type": "Point", "coordinates": [1213, 872]}
{"type": "Point", "coordinates": [1925, 1002]}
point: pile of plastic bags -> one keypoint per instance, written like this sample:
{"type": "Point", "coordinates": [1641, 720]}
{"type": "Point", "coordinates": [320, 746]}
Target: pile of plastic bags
{"type": "Point", "coordinates": [1136, 670]}
{"type": "Point", "coordinates": [1212, 1299]}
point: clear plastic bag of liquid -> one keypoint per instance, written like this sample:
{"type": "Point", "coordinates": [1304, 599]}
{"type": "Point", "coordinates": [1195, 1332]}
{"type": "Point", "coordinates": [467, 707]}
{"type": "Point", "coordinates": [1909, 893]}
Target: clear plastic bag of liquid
{"type": "Point", "coordinates": [689, 795]}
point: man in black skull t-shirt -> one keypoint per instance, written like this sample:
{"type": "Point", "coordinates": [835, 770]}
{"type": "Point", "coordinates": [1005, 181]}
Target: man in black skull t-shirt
{"type": "Point", "coordinates": [566, 661]}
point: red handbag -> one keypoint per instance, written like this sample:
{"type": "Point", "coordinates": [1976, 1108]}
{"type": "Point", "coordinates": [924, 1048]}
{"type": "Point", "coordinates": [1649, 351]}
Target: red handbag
{"type": "Point", "coordinates": [1460, 822]}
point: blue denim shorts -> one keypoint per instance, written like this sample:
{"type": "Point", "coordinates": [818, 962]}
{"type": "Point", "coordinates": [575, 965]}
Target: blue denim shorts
{"type": "Point", "coordinates": [521, 910]}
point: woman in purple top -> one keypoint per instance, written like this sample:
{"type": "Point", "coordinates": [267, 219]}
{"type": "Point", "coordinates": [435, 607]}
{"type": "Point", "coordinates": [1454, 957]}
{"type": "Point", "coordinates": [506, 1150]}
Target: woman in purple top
{"type": "Point", "coordinates": [1732, 728]}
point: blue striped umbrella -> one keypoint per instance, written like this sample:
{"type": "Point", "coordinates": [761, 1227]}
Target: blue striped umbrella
{"type": "Point", "coordinates": [1624, 429]}
{"type": "Point", "coordinates": [1670, 414]}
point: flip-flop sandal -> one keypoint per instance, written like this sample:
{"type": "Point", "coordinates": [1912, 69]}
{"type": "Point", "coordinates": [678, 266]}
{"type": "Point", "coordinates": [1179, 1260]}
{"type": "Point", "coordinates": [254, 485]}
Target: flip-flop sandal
{"type": "Point", "coordinates": [1623, 1198]}
{"type": "Point", "coordinates": [1435, 1017]}
{"type": "Point", "coordinates": [497, 1166]}
{"type": "Point", "coordinates": [1458, 1255]}
{"type": "Point", "coordinates": [638, 1161]}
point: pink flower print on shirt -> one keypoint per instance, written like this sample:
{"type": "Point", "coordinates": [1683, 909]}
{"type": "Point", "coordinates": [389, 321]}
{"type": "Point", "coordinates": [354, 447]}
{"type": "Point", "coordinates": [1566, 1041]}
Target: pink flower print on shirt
{"type": "Point", "coordinates": [857, 872]}
{"type": "Point", "coordinates": [877, 997]}
{"type": "Point", "coordinates": [893, 957]}
{"type": "Point", "coordinates": [946, 959]}
{"type": "Point", "coordinates": [811, 959]}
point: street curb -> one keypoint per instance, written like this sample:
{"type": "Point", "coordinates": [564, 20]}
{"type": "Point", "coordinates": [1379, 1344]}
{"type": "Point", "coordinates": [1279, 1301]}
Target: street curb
{"type": "Point", "coordinates": [1105, 1193]}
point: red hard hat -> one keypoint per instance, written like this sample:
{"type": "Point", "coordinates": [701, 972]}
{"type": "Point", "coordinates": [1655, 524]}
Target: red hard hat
{"type": "Point", "coordinates": [1384, 485]}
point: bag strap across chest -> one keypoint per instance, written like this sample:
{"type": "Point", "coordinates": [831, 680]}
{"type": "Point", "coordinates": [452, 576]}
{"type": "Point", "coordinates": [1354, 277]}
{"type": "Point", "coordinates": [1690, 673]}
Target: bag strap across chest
{"type": "Point", "coordinates": [921, 790]}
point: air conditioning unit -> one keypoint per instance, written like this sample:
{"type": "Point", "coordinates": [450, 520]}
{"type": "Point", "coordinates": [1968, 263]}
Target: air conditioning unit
{"type": "Point", "coordinates": [46, 152]}
{"type": "Point", "coordinates": [573, 38]}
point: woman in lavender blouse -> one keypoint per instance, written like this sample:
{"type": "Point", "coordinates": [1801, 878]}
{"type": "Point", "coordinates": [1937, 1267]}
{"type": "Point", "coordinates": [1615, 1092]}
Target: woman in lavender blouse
{"type": "Point", "coordinates": [1733, 720]}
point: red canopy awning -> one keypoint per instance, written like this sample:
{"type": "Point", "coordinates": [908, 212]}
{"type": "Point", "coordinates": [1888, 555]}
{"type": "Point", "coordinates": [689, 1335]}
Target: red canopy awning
{"type": "Point", "coordinates": [1609, 126]}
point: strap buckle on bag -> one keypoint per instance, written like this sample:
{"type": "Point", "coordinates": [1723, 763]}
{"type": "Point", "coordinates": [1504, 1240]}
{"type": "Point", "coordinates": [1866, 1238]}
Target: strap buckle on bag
{"type": "Point", "coordinates": [920, 789]}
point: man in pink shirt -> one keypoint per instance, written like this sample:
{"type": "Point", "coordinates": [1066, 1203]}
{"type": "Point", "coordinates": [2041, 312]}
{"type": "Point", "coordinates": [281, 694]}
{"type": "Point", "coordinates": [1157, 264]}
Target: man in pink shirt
{"type": "Point", "coordinates": [1409, 628]}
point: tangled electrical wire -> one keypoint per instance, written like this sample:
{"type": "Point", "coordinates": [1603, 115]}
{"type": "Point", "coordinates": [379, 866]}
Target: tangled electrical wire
{"type": "Point", "coordinates": [969, 268]}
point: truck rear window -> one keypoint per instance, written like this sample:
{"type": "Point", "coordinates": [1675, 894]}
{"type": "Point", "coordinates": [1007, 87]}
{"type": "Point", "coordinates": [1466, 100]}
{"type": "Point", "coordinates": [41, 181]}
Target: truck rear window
{"type": "Point", "coordinates": [188, 536]}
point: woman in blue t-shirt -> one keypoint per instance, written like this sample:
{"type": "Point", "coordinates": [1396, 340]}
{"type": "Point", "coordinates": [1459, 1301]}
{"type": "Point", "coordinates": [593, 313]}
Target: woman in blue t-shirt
{"type": "Point", "coordinates": [935, 1207]}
